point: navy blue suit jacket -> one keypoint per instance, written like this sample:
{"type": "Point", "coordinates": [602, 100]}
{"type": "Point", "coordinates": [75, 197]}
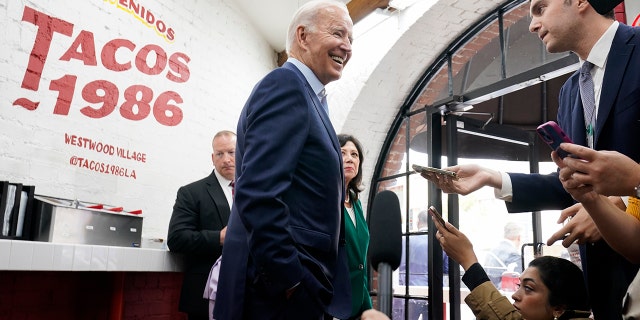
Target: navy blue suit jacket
{"type": "Point", "coordinates": [618, 128]}
{"type": "Point", "coordinates": [286, 222]}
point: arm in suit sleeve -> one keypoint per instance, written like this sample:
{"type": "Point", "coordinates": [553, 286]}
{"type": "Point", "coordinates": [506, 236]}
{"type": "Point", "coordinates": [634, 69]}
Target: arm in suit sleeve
{"type": "Point", "coordinates": [185, 228]}
{"type": "Point", "coordinates": [533, 192]}
{"type": "Point", "coordinates": [276, 129]}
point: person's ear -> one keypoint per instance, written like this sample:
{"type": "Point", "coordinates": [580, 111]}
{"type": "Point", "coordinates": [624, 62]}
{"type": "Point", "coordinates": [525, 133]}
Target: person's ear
{"type": "Point", "coordinates": [582, 4]}
{"type": "Point", "coordinates": [302, 33]}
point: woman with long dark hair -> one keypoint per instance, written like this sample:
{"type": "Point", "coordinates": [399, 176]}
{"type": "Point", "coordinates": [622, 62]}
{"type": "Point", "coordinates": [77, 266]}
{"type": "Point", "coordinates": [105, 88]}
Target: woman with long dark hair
{"type": "Point", "coordinates": [357, 232]}
{"type": "Point", "coordinates": [550, 287]}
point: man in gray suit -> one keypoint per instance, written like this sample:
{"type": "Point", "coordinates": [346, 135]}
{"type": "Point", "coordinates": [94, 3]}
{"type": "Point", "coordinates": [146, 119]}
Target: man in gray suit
{"type": "Point", "coordinates": [199, 223]}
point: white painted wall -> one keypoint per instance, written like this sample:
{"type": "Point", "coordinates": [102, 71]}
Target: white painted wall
{"type": "Point", "coordinates": [632, 10]}
{"type": "Point", "coordinates": [226, 58]}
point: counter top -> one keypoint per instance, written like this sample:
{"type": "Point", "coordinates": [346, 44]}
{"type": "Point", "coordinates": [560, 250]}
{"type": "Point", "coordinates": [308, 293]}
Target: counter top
{"type": "Point", "coordinates": [46, 256]}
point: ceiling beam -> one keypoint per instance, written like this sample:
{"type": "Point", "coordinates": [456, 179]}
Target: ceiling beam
{"type": "Point", "coordinates": [358, 9]}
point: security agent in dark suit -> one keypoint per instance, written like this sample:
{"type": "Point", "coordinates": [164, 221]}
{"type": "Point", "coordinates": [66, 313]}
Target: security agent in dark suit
{"type": "Point", "coordinates": [198, 224]}
{"type": "Point", "coordinates": [284, 255]}
{"type": "Point", "coordinates": [586, 27]}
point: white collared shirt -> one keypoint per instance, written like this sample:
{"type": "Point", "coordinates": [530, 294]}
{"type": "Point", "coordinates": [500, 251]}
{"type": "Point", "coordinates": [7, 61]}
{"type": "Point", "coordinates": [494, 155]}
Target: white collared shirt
{"type": "Point", "coordinates": [598, 56]}
{"type": "Point", "coordinates": [308, 74]}
{"type": "Point", "coordinates": [226, 188]}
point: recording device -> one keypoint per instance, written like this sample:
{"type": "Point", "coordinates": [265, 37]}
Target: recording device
{"type": "Point", "coordinates": [553, 135]}
{"type": "Point", "coordinates": [436, 215]}
{"type": "Point", "coordinates": [385, 245]}
{"type": "Point", "coordinates": [422, 169]}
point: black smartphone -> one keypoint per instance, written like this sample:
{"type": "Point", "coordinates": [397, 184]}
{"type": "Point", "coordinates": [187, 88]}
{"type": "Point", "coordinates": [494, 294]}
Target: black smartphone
{"type": "Point", "coordinates": [436, 215]}
{"type": "Point", "coordinates": [553, 135]}
{"type": "Point", "coordinates": [422, 169]}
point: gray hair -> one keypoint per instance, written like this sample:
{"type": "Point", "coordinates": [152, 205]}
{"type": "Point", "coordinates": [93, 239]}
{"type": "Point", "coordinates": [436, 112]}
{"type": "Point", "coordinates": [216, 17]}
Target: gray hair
{"type": "Point", "coordinates": [512, 230]}
{"type": "Point", "coordinates": [306, 17]}
{"type": "Point", "coordinates": [423, 218]}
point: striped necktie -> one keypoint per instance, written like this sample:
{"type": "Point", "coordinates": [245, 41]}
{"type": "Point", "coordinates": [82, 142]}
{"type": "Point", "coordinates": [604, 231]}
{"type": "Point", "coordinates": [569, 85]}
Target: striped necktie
{"type": "Point", "coordinates": [588, 101]}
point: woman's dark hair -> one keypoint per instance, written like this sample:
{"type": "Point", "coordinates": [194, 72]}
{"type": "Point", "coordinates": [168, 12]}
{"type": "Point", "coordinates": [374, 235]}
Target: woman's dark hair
{"type": "Point", "coordinates": [354, 185]}
{"type": "Point", "coordinates": [564, 281]}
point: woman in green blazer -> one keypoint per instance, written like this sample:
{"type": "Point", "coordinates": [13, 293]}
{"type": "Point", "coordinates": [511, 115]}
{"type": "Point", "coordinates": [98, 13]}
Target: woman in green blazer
{"type": "Point", "coordinates": [357, 232]}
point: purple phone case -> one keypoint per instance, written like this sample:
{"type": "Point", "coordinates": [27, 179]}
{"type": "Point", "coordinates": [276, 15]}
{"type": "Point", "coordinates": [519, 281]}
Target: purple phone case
{"type": "Point", "coordinates": [553, 135]}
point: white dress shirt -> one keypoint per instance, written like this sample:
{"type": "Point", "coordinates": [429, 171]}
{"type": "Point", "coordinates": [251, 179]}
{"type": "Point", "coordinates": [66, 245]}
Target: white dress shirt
{"type": "Point", "coordinates": [226, 187]}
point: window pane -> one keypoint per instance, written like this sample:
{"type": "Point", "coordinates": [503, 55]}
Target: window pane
{"type": "Point", "coordinates": [483, 219]}
{"type": "Point", "coordinates": [478, 62]}
{"type": "Point", "coordinates": [436, 90]}
{"type": "Point", "coordinates": [395, 161]}
{"type": "Point", "coordinates": [523, 49]}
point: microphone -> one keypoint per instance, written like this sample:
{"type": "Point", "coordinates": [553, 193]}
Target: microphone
{"type": "Point", "coordinates": [604, 6]}
{"type": "Point", "coordinates": [385, 244]}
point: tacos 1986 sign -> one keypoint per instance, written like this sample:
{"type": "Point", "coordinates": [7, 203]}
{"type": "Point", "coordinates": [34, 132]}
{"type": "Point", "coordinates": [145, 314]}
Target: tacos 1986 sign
{"type": "Point", "coordinates": [103, 96]}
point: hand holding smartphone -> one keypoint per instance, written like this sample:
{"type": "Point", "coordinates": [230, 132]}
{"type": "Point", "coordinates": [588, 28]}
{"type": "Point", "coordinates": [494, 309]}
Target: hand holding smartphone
{"type": "Point", "coordinates": [422, 169]}
{"type": "Point", "coordinates": [436, 215]}
{"type": "Point", "coordinates": [553, 135]}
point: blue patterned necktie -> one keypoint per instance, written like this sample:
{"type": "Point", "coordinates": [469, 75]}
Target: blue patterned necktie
{"type": "Point", "coordinates": [588, 101]}
{"type": "Point", "coordinates": [323, 99]}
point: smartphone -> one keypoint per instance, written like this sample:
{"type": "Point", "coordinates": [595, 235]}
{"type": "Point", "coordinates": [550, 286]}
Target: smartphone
{"type": "Point", "coordinates": [553, 135]}
{"type": "Point", "coordinates": [422, 169]}
{"type": "Point", "coordinates": [436, 215]}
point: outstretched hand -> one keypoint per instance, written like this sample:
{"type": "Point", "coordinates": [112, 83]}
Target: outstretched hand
{"type": "Point", "coordinates": [373, 314]}
{"type": "Point", "coordinates": [470, 177]}
{"type": "Point", "coordinates": [578, 227]}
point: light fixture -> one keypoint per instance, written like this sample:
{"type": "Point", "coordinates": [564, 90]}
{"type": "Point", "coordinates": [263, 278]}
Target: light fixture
{"type": "Point", "coordinates": [459, 108]}
{"type": "Point", "coordinates": [454, 106]}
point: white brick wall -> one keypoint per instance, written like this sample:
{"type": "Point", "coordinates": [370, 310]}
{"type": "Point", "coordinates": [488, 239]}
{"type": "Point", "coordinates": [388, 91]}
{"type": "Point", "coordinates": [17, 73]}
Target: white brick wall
{"type": "Point", "coordinates": [227, 57]}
